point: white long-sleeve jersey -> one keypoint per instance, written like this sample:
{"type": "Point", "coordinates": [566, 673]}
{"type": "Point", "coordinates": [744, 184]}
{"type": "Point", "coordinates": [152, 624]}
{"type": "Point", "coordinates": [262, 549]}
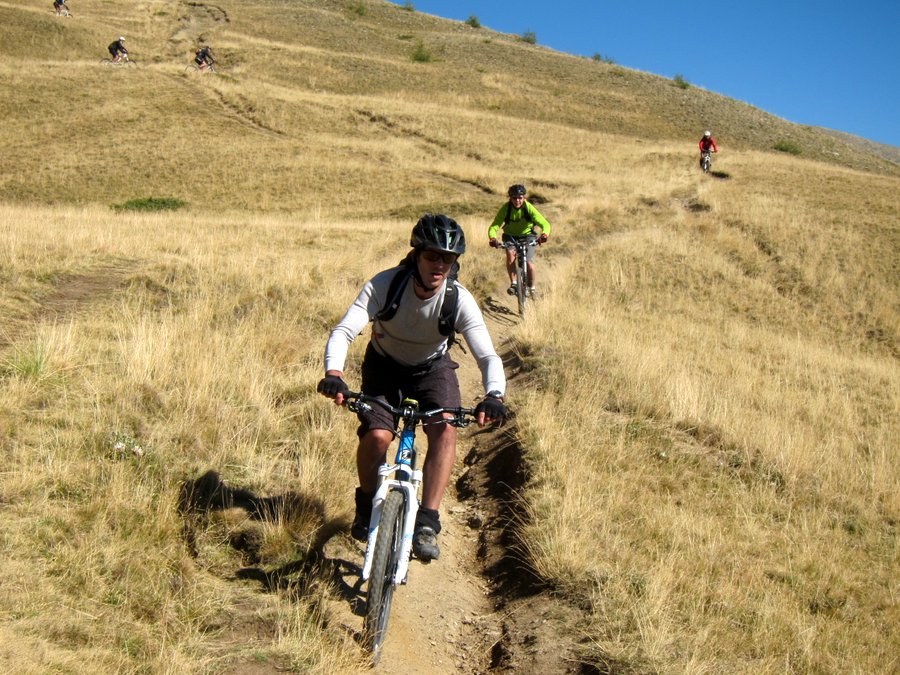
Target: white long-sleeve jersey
{"type": "Point", "coordinates": [411, 337]}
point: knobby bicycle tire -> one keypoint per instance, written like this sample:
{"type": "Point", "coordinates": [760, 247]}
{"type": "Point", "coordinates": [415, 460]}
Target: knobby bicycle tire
{"type": "Point", "coordinates": [521, 287]}
{"type": "Point", "coordinates": [384, 564]}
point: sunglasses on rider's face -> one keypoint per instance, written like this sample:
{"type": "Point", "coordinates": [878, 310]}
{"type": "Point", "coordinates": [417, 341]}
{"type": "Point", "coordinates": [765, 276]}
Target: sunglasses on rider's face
{"type": "Point", "coordinates": [435, 256]}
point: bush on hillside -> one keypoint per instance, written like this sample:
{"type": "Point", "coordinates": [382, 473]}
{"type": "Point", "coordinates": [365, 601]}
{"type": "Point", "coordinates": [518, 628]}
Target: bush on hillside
{"type": "Point", "coordinates": [787, 146]}
{"type": "Point", "coordinates": [151, 204]}
{"type": "Point", "coordinates": [602, 58]}
{"type": "Point", "coordinates": [529, 36]}
{"type": "Point", "coordinates": [473, 21]}
{"type": "Point", "coordinates": [680, 82]}
{"type": "Point", "coordinates": [409, 7]}
{"type": "Point", "coordinates": [421, 53]}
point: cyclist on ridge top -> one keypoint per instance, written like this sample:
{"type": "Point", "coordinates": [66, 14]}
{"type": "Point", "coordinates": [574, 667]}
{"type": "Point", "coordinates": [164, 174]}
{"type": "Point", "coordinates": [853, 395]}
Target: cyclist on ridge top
{"type": "Point", "coordinates": [407, 356]}
{"type": "Point", "coordinates": [518, 218]}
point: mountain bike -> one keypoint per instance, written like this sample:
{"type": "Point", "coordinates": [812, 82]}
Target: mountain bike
{"type": "Point", "coordinates": [194, 68]}
{"type": "Point", "coordinates": [705, 161]}
{"type": "Point", "coordinates": [521, 245]}
{"type": "Point", "coordinates": [124, 61]}
{"type": "Point", "coordinates": [394, 509]}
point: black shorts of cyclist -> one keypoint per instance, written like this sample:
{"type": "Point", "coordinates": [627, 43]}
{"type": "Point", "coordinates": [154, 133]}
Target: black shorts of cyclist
{"type": "Point", "coordinates": [529, 252]}
{"type": "Point", "coordinates": [433, 385]}
{"type": "Point", "coordinates": [113, 51]}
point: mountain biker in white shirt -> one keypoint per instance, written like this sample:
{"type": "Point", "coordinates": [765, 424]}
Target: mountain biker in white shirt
{"type": "Point", "coordinates": [407, 356]}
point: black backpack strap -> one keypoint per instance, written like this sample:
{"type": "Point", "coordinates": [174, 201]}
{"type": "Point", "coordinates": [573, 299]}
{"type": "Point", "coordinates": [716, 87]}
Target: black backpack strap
{"type": "Point", "coordinates": [447, 319]}
{"type": "Point", "coordinates": [528, 215]}
{"type": "Point", "coordinates": [395, 292]}
{"type": "Point", "coordinates": [449, 305]}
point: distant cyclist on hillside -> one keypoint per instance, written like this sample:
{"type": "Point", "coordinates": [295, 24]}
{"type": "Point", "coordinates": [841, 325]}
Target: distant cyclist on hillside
{"type": "Point", "coordinates": [117, 49]}
{"type": "Point", "coordinates": [204, 57]}
{"type": "Point", "coordinates": [518, 219]}
{"type": "Point", "coordinates": [707, 144]}
{"type": "Point", "coordinates": [59, 6]}
{"type": "Point", "coordinates": [407, 357]}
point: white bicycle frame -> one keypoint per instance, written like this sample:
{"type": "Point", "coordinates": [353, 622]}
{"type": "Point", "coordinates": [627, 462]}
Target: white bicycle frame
{"type": "Point", "coordinates": [410, 487]}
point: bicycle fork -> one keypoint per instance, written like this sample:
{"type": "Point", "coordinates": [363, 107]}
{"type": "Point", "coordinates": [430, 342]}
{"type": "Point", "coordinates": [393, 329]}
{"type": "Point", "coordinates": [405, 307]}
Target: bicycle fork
{"type": "Point", "coordinates": [407, 479]}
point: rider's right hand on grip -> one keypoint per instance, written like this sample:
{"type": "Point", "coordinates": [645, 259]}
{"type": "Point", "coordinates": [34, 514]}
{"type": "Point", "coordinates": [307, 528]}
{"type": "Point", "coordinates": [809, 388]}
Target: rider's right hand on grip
{"type": "Point", "coordinates": [494, 243]}
{"type": "Point", "coordinates": [331, 386]}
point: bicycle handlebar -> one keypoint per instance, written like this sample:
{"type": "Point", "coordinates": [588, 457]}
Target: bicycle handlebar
{"type": "Point", "coordinates": [358, 402]}
{"type": "Point", "coordinates": [531, 241]}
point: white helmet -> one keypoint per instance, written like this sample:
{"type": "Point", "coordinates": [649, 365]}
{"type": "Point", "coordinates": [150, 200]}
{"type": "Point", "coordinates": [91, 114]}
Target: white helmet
{"type": "Point", "coordinates": [706, 134]}
{"type": "Point", "coordinates": [121, 38]}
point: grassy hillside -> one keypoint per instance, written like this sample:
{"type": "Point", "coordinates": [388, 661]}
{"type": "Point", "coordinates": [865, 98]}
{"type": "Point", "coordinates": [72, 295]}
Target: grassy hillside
{"type": "Point", "coordinates": [321, 105]}
{"type": "Point", "coordinates": [706, 396]}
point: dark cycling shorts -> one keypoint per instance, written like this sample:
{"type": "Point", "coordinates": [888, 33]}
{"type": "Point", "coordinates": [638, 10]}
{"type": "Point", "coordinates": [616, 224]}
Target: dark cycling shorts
{"type": "Point", "coordinates": [433, 385]}
{"type": "Point", "coordinates": [529, 252]}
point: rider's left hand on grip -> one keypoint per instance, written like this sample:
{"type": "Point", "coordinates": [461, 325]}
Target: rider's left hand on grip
{"type": "Point", "coordinates": [492, 408]}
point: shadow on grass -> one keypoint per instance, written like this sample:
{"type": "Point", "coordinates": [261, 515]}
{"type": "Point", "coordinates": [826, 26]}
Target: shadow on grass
{"type": "Point", "coordinates": [200, 497]}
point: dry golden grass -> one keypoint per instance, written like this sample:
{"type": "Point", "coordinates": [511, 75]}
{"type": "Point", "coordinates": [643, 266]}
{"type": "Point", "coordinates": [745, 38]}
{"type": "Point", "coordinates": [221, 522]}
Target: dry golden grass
{"type": "Point", "coordinates": [190, 350]}
{"type": "Point", "coordinates": [711, 398]}
{"type": "Point", "coordinates": [727, 488]}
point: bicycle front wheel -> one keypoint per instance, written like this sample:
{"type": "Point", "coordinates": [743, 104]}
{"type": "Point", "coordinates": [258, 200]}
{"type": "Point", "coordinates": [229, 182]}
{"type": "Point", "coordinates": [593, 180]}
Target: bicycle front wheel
{"type": "Point", "coordinates": [521, 287]}
{"type": "Point", "coordinates": [384, 564]}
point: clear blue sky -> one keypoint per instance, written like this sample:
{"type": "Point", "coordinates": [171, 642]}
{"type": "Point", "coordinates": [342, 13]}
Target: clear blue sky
{"type": "Point", "coordinates": [828, 63]}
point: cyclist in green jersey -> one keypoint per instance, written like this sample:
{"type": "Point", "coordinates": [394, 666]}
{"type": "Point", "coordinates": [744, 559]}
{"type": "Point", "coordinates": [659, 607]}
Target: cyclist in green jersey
{"type": "Point", "coordinates": [518, 219]}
